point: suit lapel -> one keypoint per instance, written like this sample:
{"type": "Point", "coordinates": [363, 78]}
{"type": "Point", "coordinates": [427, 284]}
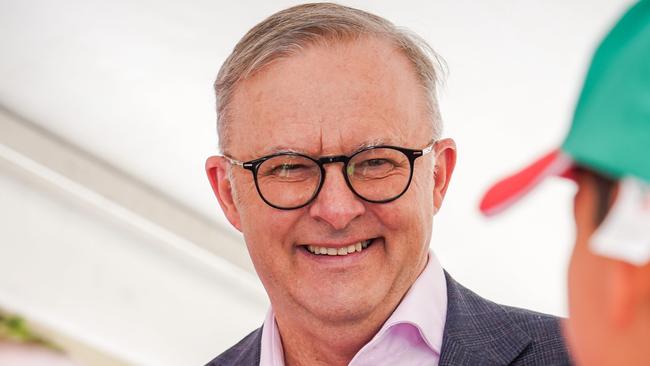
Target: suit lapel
{"type": "Point", "coordinates": [252, 350]}
{"type": "Point", "coordinates": [477, 331]}
{"type": "Point", "coordinates": [244, 353]}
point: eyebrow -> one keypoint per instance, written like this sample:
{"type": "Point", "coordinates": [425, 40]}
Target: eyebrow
{"type": "Point", "coordinates": [278, 149]}
{"type": "Point", "coordinates": [370, 143]}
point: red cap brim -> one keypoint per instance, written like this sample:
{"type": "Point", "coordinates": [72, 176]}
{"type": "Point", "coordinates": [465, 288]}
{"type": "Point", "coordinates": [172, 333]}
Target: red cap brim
{"type": "Point", "coordinates": [509, 190]}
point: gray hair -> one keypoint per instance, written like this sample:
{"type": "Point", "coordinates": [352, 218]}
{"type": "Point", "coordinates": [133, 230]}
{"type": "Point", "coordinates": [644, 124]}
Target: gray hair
{"type": "Point", "coordinates": [288, 31]}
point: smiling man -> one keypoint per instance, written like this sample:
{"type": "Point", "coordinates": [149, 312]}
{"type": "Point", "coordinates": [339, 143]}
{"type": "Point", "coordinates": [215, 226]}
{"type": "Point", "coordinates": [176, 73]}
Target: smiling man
{"type": "Point", "coordinates": [333, 168]}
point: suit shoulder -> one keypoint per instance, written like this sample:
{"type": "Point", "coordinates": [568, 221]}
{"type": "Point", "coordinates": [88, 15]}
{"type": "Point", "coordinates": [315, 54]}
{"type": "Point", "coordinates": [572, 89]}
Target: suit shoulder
{"type": "Point", "coordinates": [546, 335]}
{"type": "Point", "coordinates": [534, 321]}
{"type": "Point", "coordinates": [245, 353]}
{"type": "Point", "coordinates": [491, 333]}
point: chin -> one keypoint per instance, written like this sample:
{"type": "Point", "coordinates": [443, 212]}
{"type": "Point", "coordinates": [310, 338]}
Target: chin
{"type": "Point", "coordinates": [339, 313]}
{"type": "Point", "coordinates": [343, 307]}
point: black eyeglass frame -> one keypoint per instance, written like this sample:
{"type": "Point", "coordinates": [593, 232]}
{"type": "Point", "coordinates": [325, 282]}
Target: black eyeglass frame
{"type": "Point", "coordinates": [253, 166]}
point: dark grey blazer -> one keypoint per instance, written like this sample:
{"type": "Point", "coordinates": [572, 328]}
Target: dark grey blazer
{"type": "Point", "coordinates": [477, 332]}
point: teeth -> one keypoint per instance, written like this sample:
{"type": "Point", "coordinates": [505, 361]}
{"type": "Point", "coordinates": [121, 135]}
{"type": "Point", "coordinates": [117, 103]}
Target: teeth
{"type": "Point", "coordinates": [352, 248]}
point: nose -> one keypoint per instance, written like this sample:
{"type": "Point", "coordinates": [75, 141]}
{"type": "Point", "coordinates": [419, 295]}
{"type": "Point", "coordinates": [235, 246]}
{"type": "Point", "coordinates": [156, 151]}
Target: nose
{"type": "Point", "coordinates": [336, 204]}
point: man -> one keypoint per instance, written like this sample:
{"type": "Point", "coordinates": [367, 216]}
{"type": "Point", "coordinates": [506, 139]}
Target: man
{"type": "Point", "coordinates": [333, 169]}
{"type": "Point", "coordinates": [607, 152]}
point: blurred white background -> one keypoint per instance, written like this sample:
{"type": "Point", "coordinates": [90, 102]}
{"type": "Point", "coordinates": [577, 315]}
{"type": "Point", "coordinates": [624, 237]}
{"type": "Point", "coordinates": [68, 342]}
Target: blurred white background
{"type": "Point", "coordinates": [109, 233]}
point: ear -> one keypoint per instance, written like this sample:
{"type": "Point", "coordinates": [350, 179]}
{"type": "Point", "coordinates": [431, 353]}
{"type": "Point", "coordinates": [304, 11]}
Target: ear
{"type": "Point", "coordinates": [445, 151]}
{"type": "Point", "coordinates": [216, 168]}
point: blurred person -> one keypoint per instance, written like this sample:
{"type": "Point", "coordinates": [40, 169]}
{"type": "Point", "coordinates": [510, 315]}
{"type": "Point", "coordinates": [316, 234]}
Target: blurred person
{"type": "Point", "coordinates": [607, 153]}
{"type": "Point", "coordinates": [333, 168]}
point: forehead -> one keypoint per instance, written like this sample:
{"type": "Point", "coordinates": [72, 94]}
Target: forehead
{"type": "Point", "coordinates": [330, 100]}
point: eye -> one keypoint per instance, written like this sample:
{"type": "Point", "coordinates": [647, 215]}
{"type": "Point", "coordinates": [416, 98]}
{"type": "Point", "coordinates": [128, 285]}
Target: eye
{"type": "Point", "coordinates": [287, 169]}
{"type": "Point", "coordinates": [373, 168]}
{"type": "Point", "coordinates": [376, 162]}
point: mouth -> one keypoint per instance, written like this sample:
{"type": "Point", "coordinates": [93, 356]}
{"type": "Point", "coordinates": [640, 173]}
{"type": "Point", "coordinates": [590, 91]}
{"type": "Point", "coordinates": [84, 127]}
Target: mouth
{"type": "Point", "coordinates": [339, 250]}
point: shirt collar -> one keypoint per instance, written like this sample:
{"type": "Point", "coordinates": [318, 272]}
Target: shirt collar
{"type": "Point", "coordinates": [424, 306]}
{"type": "Point", "coordinates": [271, 352]}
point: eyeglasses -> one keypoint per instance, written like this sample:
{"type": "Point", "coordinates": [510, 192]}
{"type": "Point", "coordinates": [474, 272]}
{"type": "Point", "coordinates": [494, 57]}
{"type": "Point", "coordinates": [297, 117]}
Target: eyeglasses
{"type": "Point", "coordinates": [376, 174]}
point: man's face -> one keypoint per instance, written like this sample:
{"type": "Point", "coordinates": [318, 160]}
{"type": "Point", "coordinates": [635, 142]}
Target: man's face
{"type": "Point", "coordinates": [329, 100]}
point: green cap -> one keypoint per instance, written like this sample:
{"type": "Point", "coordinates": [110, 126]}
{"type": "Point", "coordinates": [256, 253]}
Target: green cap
{"type": "Point", "coordinates": [610, 132]}
{"type": "Point", "coordinates": [611, 125]}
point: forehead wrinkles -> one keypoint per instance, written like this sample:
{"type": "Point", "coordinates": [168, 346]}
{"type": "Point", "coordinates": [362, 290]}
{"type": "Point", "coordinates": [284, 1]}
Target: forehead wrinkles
{"type": "Point", "coordinates": [302, 95]}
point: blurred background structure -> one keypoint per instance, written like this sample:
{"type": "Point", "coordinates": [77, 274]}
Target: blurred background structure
{"type": "Point", "coordinates": [111, 242]}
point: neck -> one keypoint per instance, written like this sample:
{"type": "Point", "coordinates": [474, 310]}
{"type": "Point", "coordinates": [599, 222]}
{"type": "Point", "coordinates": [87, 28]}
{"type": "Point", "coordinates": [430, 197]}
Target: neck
{"type": "Point", "coordinates": [322, 343]}
{"type": "Point", "coordinates": [308, 339]}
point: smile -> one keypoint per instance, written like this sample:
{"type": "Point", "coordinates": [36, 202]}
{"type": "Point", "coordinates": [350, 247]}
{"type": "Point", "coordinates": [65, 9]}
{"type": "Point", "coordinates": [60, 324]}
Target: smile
{"type": "Point", "coordinates": [345, 250]}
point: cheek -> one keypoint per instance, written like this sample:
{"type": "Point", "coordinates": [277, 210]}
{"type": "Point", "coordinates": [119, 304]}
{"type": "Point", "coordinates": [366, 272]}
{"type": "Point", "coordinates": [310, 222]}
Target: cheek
{"type": "Point", "coordinates": [268, 227]}
{"type": "Point", "coordinates": [265, 228]}
{"type": "Point", "coordinates": [575, 326]}
{"type": "Point", "coordinates": [409, 217]}
{"type": "Point", "coordinates": [420, 202]}
{"type": "Point", "coordinates": [403, 216]}
{"type": "Point", "coordinates": [581, 289]}
{"type": "Point", "coordinates": [268, 234]}
{"type": "Point", "coordinates": [391, 215]}
{"type": "Point", "coordinates": [574, 296]}
{"type": "Point", "coordinates": [244, 192]}
{"type": "Point", "coordinates": [586, 333]}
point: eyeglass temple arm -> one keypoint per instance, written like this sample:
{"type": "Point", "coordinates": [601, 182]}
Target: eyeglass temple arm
{"type": "Point", "coordinates": [233, 161]}
{"type": "Point", "coordinates": [428, 149]}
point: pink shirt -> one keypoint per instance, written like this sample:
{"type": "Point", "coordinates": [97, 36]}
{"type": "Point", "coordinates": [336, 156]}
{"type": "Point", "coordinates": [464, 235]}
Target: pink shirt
{"type": "Point", "coordinates": [412, 334]}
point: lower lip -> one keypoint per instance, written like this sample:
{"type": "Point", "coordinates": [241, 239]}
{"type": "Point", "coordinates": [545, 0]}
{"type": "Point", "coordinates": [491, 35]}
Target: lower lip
{"type": "Point", "coordinates": [340, 260]}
